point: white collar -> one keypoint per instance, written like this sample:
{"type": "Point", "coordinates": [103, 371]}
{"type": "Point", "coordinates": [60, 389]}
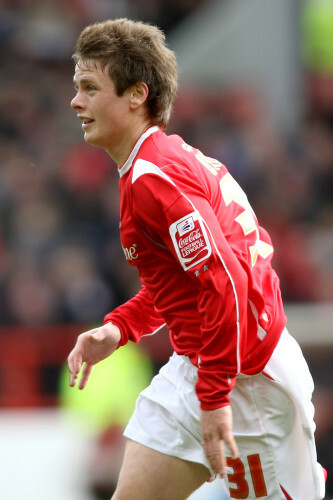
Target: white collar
{"type": "Point", "coordinates": [128, 163]}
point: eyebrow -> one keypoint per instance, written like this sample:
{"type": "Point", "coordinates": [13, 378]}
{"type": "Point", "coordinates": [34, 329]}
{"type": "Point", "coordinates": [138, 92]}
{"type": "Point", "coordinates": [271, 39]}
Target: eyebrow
{"type": "Point", "coordinates": [84, 81]}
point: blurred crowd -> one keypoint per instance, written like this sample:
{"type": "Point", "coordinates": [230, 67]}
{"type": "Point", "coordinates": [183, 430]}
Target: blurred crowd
{"type": "Point", "coordinates": [60, 254]}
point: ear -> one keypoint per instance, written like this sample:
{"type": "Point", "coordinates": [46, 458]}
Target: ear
{"type": "Point", "coordinates": [138, 94]}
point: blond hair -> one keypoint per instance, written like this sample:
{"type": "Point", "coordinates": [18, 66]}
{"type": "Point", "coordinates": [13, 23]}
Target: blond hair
{"type": "Point", "coordinates": [133, 52]}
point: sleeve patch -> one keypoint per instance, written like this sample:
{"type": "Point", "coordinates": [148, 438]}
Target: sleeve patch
{"type": "Point", "coordinates": [190, 239]}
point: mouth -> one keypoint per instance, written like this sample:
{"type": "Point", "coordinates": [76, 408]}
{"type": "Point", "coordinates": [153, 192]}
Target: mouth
{"type": "Point", "coordinates": [86, 122]}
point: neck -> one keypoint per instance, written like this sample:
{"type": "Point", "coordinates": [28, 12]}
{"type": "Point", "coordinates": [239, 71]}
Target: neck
{"type": "Point", "coordinates": [123, 148]}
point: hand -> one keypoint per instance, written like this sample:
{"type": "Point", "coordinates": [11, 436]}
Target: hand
{"type": "Point", "coordinates": [216, 428]}
{"type": "Point", "coordinates": [90, 348]}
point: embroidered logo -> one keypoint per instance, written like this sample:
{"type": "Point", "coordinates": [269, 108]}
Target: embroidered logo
{"type": "Point", "coordinates": [185, 226]}
{"type": "Point", "coordinates": [190, 240]}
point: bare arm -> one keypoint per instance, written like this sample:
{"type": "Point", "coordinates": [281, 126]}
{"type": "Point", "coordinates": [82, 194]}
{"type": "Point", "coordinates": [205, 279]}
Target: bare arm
{"type": "Point", "coordinates": [216, 427]}
{"type": "Point", "coordinates": [90, 348]}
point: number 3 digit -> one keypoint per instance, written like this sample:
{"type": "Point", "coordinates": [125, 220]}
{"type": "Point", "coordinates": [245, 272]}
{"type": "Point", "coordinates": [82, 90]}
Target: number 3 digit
{"type": "Point", "coordinates": [238, 477]}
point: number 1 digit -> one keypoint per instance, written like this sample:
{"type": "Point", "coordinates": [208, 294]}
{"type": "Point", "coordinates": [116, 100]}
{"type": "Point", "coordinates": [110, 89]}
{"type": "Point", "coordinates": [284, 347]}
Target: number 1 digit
{"type": "Point", "coordinates": [257, 475]}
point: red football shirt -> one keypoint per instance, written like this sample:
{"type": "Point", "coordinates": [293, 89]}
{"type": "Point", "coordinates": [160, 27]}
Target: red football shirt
{"type": "Point", "coordinates": [203, 260]}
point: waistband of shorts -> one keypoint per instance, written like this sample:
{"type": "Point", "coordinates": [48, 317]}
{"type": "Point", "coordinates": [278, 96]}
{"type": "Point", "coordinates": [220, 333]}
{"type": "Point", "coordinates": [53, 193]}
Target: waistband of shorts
{"type": "Point", "coordinates": [180, 359]}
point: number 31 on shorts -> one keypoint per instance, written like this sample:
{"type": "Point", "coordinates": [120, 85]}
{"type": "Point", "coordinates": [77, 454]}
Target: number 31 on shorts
{"type": "Point", "coordinates": [237, 477]}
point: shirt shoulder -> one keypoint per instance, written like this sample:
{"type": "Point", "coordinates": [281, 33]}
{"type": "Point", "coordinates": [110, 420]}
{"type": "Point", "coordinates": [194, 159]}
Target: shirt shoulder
{"type": "Point", "coordinates": [145, 167]}
{"type": "Point", "coordinates": [154, 171]}
{"type": "Point", "coordinates": [170, 158]}
{"type": "Point", "coordinates": [162, 149]}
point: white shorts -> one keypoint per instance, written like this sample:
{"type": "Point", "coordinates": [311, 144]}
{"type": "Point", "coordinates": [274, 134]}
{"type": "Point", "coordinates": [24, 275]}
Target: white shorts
{"type": "Point", "coordinates": [272, 424]}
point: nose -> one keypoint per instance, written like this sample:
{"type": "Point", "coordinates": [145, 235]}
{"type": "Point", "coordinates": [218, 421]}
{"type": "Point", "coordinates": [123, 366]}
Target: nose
{"type": "Point", "coordinates": [76, 102]}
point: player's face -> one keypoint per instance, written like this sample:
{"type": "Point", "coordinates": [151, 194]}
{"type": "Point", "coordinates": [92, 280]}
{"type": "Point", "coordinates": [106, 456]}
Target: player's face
{"type": "Point", "coordinates": [104, 115]}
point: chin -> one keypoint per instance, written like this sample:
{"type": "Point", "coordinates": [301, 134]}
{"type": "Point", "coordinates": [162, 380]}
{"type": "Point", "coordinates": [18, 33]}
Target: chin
{"type": "Point", "coordinates": [92, 141]}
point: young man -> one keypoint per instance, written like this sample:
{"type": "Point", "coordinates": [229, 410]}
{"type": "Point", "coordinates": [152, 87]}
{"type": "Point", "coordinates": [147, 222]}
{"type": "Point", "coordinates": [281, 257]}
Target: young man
{"type": "Point", "coordinates": [235, 398]}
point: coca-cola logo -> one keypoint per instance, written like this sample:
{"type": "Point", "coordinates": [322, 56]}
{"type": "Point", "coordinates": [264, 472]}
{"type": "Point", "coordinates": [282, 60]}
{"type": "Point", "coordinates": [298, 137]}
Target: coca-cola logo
{"type": "Point", "coordinates": [192, 236]}
{"type": "Point", "coordinates": [190, 239]}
